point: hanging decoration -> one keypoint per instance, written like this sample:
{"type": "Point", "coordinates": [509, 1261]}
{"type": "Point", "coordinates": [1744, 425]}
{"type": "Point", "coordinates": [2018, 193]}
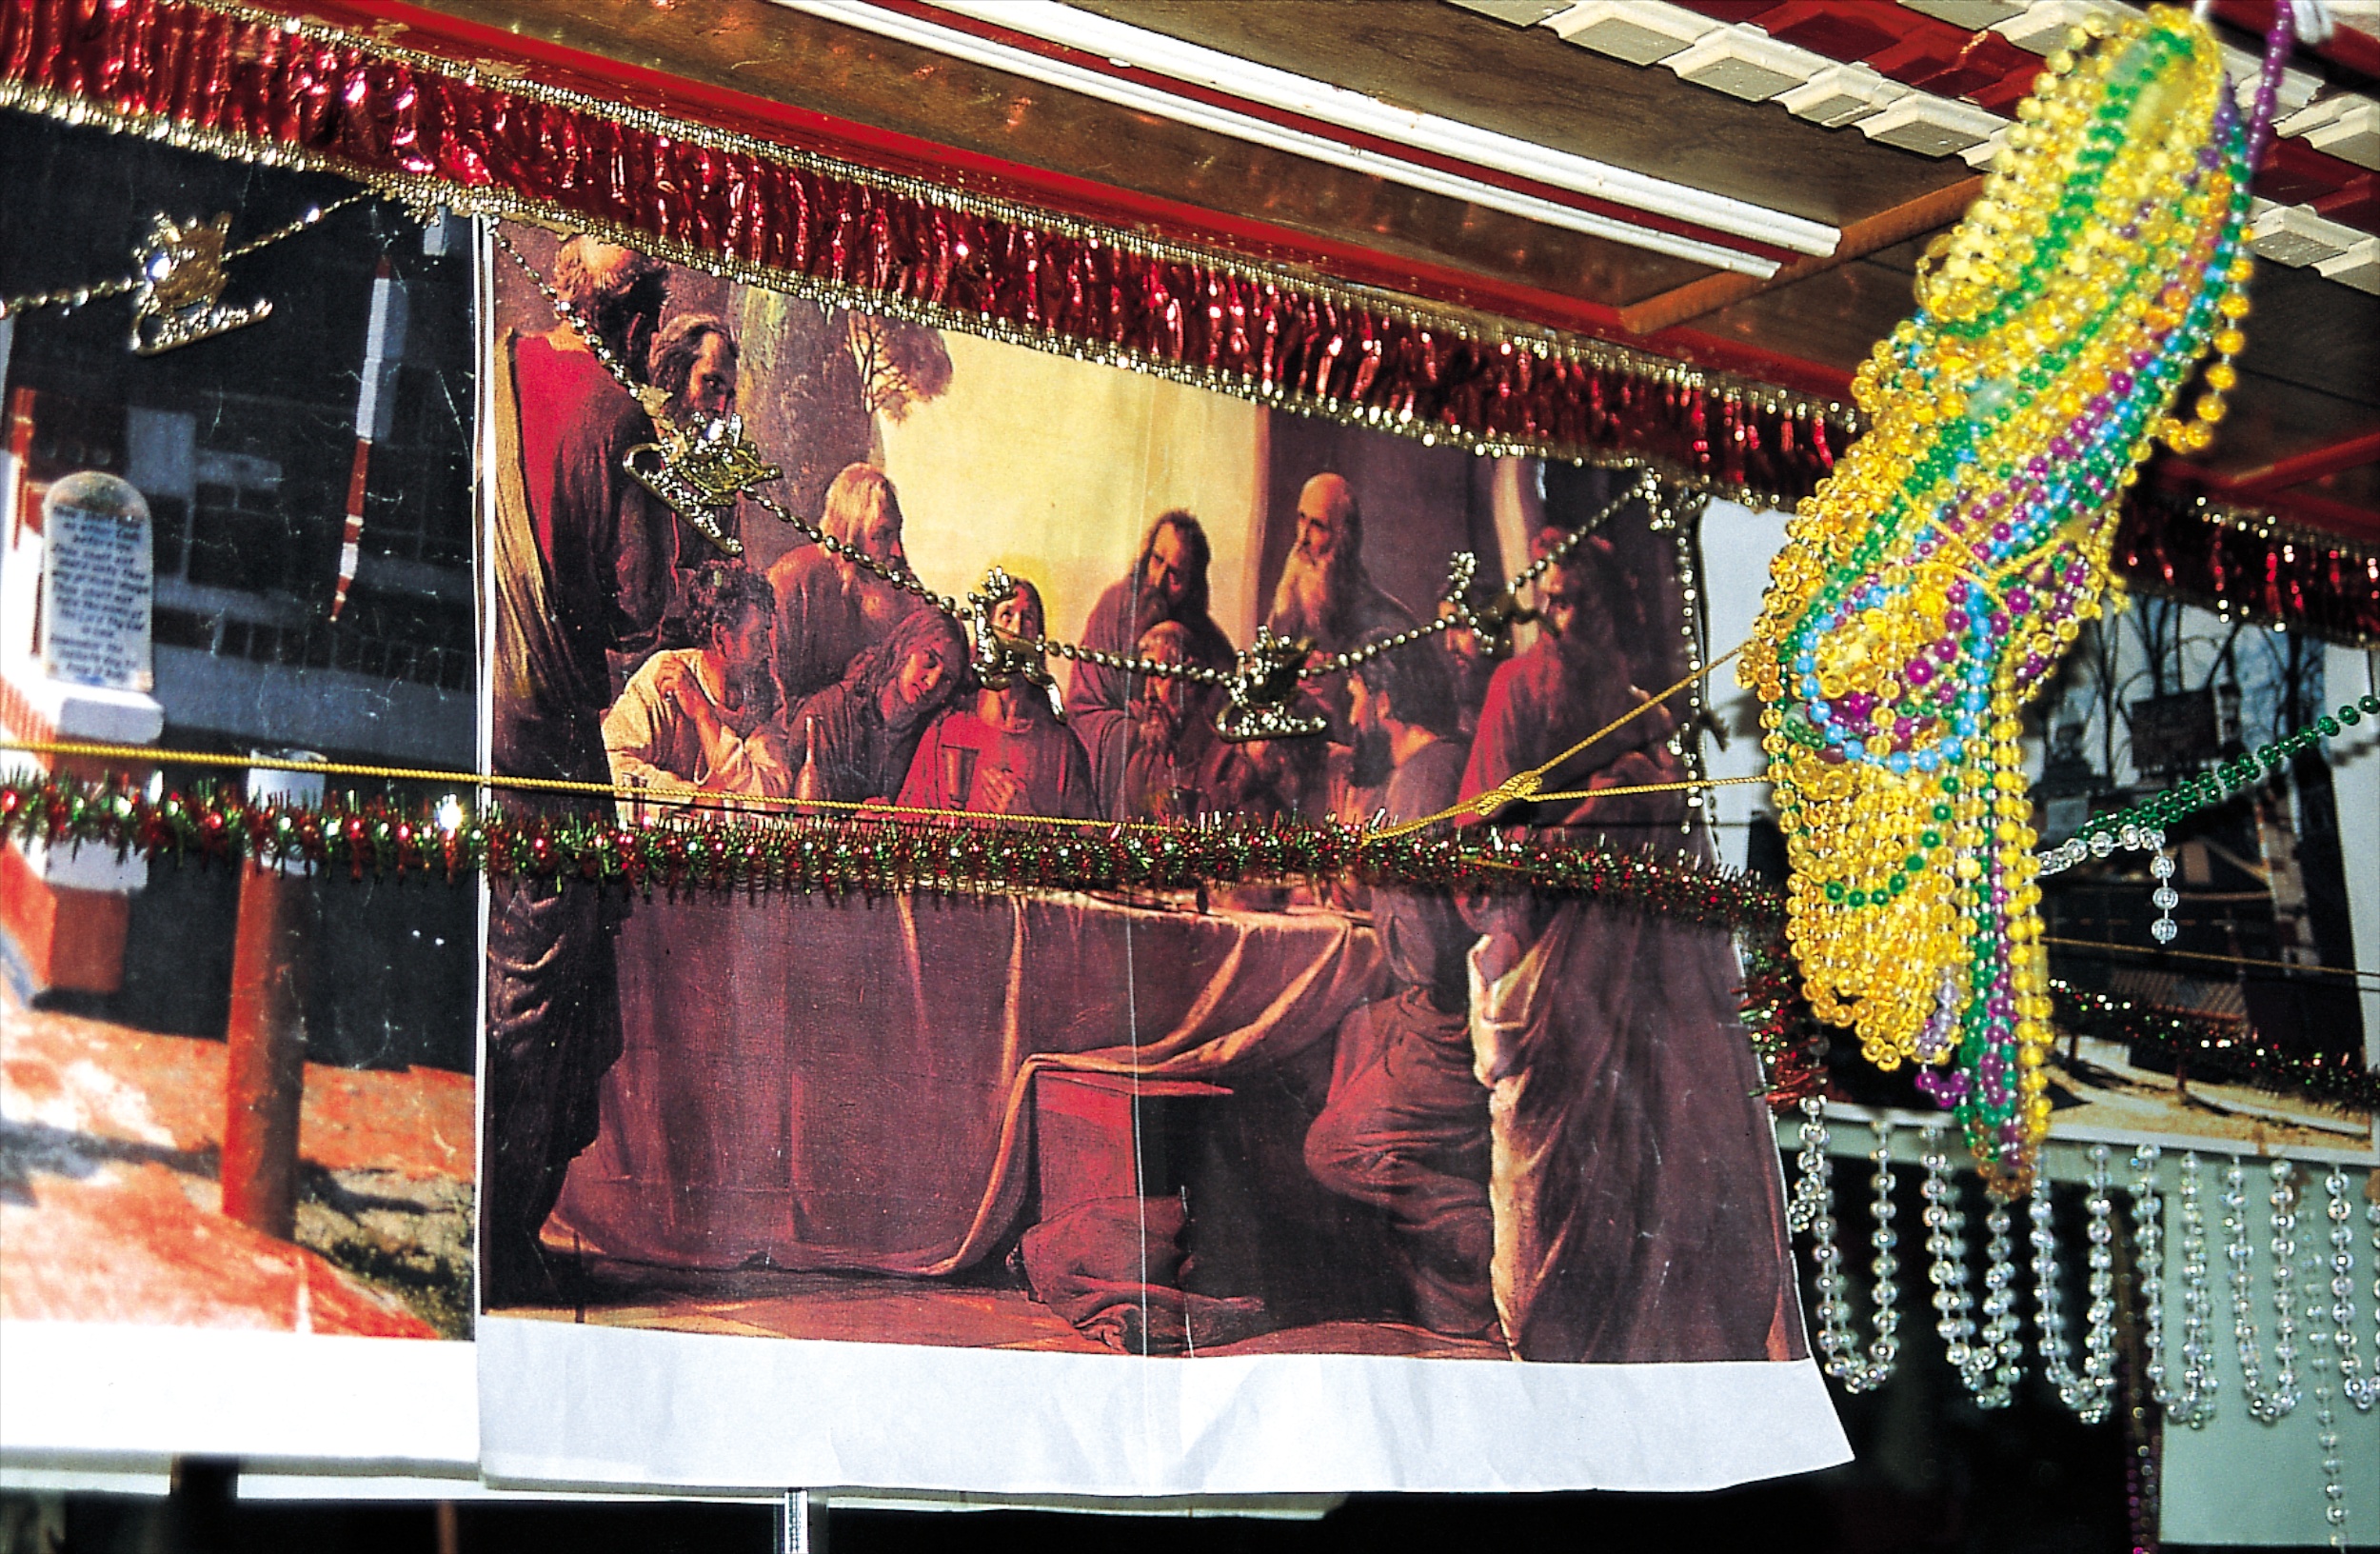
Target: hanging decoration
{"type": "Point", "coordinates": [2250, 566]}
{"type": "Point", "coordinates": [871, 848]}
{"type": "Point", "coordinates": [2212, 1047]}
{"type": "Point", "coordinates": [2141, 826]}
{"type": "Point", "coordinates": [487, 138]}
{"type": "Point", "coordinates": [1937, 578]}
{"type": "Point", "coordinates": [2182, 1386]}
{"type": "Point", "coordinates": [178, 280]}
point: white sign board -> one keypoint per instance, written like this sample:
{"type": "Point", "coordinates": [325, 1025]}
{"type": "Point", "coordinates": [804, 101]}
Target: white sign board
{"type": "Point", "coordinates": [97, 587]}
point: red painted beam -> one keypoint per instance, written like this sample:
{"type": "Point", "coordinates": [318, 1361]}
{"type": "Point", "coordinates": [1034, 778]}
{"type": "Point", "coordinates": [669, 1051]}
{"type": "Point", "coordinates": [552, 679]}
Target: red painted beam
{"type": "Point", "coordinates": [2347, 47]}
{"type": "Point", "coordinates": [2311, 465]}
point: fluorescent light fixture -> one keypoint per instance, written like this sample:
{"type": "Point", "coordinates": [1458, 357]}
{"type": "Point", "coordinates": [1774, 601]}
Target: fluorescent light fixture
{"type": "Point", "coordinates": [1279, 90]}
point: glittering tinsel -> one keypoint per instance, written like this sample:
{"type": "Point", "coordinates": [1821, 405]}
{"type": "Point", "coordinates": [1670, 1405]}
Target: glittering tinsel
{"type": "Point", "coordinates": [859, 853]}
{"type": "Point", "coordinates": [1776, 1018]}
{"type": "Point", "coordinates": [2214, 1049]}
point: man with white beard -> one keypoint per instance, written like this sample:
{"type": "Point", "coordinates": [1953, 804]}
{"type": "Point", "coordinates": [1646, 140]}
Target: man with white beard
{"type": "Point", "coordinates": [1325, 595]}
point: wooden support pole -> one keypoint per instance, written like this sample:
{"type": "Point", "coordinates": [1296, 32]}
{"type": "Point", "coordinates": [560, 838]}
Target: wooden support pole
{"type": "Point", "coordinates": [264, 1070]}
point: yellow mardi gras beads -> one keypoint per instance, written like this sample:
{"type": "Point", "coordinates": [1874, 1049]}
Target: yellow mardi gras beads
{"type": "Point", "coordinates": [1932, 584]}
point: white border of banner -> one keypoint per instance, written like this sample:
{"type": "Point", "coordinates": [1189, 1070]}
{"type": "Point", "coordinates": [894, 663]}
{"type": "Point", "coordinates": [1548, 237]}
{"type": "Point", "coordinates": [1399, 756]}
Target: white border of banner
{"type": "Point", "coordinates": [570, 1403]}
{"type": "Point", "coordinates": [108, 1390]}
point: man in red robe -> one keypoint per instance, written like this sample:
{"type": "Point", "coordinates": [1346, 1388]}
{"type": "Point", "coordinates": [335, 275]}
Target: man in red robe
{"type": "Point", "coordinates": [1405, 1129]}
{"type": "Point", "coordinates": [1634, 1183]}
{"type": "Point", "coordinates": [830, 609]}
{"type": "Point", "coordinates": [581, 581]}
{"type": "Point", "coordinates": [1004, 753]}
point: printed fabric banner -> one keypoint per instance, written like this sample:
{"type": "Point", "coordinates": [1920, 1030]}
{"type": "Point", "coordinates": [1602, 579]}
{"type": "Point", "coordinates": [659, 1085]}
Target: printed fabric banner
{"type": "Point", "coordinates": [1244, 1189]}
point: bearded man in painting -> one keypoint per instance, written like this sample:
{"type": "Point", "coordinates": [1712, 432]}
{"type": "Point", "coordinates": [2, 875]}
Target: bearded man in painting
{"type": "Point", "coordinates": [1634, 1179]}
{"type": "Point", "coordinates": [1325, 594]}
{"type": "Point", "coordinates": [694, 360]}
{"type": "Point", "coordinates": [1174, 764]}
{"type": "Point", "coordinates": [1167, 584]}
{"type": "Point", "coordinates": [582, 575]}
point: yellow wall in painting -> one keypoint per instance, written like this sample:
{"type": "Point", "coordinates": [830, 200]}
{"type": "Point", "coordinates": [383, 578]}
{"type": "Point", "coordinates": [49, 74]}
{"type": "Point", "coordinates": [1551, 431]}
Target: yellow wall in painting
{"type": "Point", "coordinates": [1053, 468]}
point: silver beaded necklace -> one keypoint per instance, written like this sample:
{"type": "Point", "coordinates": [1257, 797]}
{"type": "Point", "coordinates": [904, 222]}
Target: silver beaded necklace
{"type": "Point", "coordinates": [2360, 1389]}
{"type": "Point", "coordinates": [2267, 1405]}
{"type": "Point", "coordinates": [2326, 1420]}
{"type": "Point", "coordinates": [1884, 1349]}
{"type": "Point", "coordinates": [1807, 1164]}
{"type": "Point", "coordinates": [1946, 1248]}
{"type": "Point", "coordinates": [2193, 1402]}
{"type": "Point", "coordinates": [1838, 1341]}
{"type": "Point", "coordinates": [2091, 1393]}
{"type": "Point", "coordinates": [2099, 1317]}
{"type": "Point", "coordinates": [2002, 1340]}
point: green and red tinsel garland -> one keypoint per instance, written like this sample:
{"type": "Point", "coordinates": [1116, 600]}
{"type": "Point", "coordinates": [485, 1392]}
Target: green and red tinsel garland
{"type": "Point", "coordinates": [2213, 1049]}
{"type": "Point", "coordinates": [450, 839]}
{"type": "Point", "coordinates": [856, 853]}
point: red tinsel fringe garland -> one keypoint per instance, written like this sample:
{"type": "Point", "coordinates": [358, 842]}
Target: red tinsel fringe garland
{"type": "Point", "coordinates": [2243, 565]}
{"type": "Point", "coordinates": [251, 86]}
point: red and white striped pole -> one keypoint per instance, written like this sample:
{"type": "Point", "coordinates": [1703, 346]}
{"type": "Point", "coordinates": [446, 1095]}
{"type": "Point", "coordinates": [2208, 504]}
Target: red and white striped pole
{"type": "Point", "coordinates": [375, 406]}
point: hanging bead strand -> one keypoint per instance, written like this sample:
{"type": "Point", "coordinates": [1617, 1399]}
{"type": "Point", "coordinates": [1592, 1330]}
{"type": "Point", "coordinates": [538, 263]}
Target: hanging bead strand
{"type": "Point", "coordinates": [2099, 1378]}
{"type": "Point", "coordinates": [1883, 1350]}
{"type": "Point", "coordinates": [2089, 1392]}
{"type": "Point", "coordinates": [2002, 1337]}
{"type": "Point", "coordinates": [2321, 1361]}
{"type": "Point", "coordinates": [2359, 1389]}
{"type": "Point", "coordinates": [1809, 1166]}
{"type": "Point", "coordinates": [1946, 1247]}
{"type": "Point", "coordinates": [2267, 1405]}
{"type": "Point", "coordinates": [2052, 1340]}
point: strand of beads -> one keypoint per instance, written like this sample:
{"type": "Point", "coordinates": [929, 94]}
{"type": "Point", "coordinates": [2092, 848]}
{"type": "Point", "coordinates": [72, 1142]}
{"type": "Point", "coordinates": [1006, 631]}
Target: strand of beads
{"type": "Point", "coordinates": [2141, 826]}
{"type": "Point", "coordinates": [2091, 1392]}
{"type": "Point", "coordinates": [1936, 578]}
{"type": "Point", "coordinates": [1836, 1339]}
{"type": "Point", "coordinates": [1946, 1232]}
{"type": "Point", "coordinates": [2370, 1388]}
{"type": "Point", "coordinates": [2099, 1378]}
{"type": "Point", "coordinates": [2360, 1389]}
{"type": "Point", "coordinates": [2003, 1346]}
{"type": "Point", "coordinates": [2326, 1418]}
{"type": "Point", "coordinates": [1810, 1167]}
{"type": "Point", "coordinates": [1884, 1349]}
{"type": "Point", "coordinates": [2149, 1263]}
{"type": "Point", "coordinates": [2053, 1343]}
{"type": "Point", "coordinates": [2199, 1381]}
{"type": "Point", "coordinates": [2193, 1402]}
{"type": "Point", "coordinates": [2266, 1406]}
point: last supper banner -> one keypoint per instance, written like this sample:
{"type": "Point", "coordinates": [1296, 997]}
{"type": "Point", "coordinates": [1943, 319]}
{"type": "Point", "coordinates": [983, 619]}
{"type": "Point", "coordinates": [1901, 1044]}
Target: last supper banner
{"type": "Point", "coordinates": [1287, 1180]}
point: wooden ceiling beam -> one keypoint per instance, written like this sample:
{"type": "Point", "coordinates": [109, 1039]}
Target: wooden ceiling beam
{"type": "Point", "coordinates": [1909, 219]}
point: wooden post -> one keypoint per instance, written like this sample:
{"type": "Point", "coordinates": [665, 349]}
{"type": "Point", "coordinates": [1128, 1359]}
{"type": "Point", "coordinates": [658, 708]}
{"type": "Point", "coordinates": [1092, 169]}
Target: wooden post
{"type": "Point", "coordinates": [264, 1078]}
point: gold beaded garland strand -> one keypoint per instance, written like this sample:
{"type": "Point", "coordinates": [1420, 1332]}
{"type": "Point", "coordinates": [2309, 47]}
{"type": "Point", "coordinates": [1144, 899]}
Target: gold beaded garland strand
{"type": "Point", "coordinates": [1932, 583]}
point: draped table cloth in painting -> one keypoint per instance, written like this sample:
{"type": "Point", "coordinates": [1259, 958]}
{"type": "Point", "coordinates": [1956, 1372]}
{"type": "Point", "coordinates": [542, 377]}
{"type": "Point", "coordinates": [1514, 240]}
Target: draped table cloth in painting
{"type": "Point", "coordinates": [847, 1084]}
